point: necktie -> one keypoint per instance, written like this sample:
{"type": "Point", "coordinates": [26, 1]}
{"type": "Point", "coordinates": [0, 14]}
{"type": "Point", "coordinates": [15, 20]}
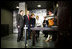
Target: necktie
{"type": "Point", "coordinates": [28, 17]}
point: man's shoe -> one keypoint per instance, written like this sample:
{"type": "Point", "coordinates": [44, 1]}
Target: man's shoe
{"type": "Point", "coordinates": [22, 39]}
{"type": "Point", "coordinates": [18, 40]}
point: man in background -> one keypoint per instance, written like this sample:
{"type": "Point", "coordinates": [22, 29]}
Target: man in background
{"type": "Point", "coordinates": [20, 23]}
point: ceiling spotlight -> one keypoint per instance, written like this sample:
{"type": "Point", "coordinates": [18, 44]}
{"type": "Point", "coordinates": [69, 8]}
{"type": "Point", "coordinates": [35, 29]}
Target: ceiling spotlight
{"type": "Point", "coordinates": [17, 7]}
{"type": "Point", "coordinates": [38, 5]}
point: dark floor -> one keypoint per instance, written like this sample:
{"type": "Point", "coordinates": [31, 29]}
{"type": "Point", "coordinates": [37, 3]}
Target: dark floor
{"type": "Point", "coordinates": [11, 42]}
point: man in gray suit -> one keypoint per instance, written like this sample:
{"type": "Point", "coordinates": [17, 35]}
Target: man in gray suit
{"type": "Point", "coordinates": [20, 23]}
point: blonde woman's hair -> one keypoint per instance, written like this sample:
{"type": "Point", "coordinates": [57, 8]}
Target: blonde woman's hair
{"type": "Point", "coordinates": [37, 17]}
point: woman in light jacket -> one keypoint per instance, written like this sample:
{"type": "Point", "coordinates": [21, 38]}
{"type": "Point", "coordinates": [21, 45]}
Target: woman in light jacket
{"type": "Point", "coordinates": [38, 24]}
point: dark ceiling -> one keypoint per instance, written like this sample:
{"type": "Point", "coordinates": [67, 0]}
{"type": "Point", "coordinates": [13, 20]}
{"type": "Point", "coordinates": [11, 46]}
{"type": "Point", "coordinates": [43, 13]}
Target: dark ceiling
{"type": "Point", "coordinates": [30, 4]}
{"type": "Point", "coordinates": [44, 4]}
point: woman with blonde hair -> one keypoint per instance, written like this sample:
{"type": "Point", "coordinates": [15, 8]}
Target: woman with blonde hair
{"type": "Point", "coordinates": [38, 24]}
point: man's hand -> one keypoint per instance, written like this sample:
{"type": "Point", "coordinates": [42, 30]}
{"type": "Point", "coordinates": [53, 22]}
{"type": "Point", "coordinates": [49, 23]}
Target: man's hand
{"type": "Point", "coordinates": [44, 23]}
{"type": "Point", "coordinates": [18, 26]}
{"type": "Point", "coordinates": [31, 24]}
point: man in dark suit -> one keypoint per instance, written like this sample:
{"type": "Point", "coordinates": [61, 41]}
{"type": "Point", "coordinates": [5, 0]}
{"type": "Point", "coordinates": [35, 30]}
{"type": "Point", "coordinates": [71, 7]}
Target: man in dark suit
{"type": "Point", "coordinates": [45, 24]}
{"type": "Point", "coordinates": [26, 22]}
{"type": "Point", "coordinates": [32, 20]}
{"type": "Point", "coordinates": [20, 24]}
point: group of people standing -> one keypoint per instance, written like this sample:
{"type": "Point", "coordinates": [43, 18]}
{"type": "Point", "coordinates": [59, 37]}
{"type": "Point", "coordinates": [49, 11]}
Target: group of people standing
{"type": "Point", "coordinates": [51, 21]}
{"type": "Point", "coordinates": [30, 21]}
{"type": "Point", "coordinates": [27, 20]}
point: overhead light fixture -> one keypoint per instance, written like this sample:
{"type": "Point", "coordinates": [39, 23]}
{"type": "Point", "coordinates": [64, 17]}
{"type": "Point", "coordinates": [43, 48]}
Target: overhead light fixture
{"type": "Point", "coordinates": [17, 7]}
{"type": "Point", "coordinates": [38, 5]}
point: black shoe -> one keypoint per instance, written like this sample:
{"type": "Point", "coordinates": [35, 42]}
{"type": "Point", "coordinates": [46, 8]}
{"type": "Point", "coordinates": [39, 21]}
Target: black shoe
{"type": "Point", "coordinates": [22, 39]}
{"type": "Point", "coordinates": [44, 36]}
{"type": "Point", "coordinates": [18, 40]}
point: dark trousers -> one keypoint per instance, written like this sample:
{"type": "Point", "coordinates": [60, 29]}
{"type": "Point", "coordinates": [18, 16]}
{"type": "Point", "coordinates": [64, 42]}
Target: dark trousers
{"type": "Point", "coordinates": [20, 33]}
{"type": "Point", "coordinates": [54, 35]}
{"type": "Point", "coordinates": [37, 33]}
{"type": "Point", "coordinates": [45, 34]}
{"type": "Point", "coordinates": [29, 32]}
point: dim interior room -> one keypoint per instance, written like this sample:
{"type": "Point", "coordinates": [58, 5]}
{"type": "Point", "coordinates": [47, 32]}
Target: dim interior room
{"type": "Point", "coordinates": [60, 10]}
{"type": "Point", "coordinates": [39, 8]}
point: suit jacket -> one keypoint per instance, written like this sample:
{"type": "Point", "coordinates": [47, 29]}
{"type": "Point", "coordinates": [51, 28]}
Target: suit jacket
{"type": "Point", "coordinates": [32, 21]}
{"type": "Point", "coordinates": [45, 21]}
{"type": "Point", "coordinates": [26, 21]}
{"type": "Point", "coordinates": [20, 20]}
